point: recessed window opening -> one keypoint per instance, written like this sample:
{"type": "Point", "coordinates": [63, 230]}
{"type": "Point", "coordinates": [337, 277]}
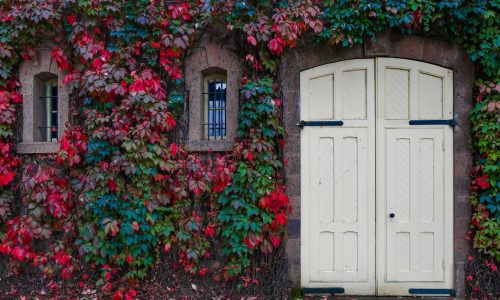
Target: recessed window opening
{"type": "Point", "coordinates": [45, 107]}
{"type": "Point", "coordinates": [214, 94]}
{"type": "Point", "coordinates": [48, 128]}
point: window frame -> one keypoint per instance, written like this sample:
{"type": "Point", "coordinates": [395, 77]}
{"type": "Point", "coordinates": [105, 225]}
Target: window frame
{"type": "Point", "coordinates": [33, 75]}
{"type": "Point", "coordinates": [49, 110]}
{"type": "Point", "coordinates": [206, 94]}
{"type": "Point", "coordinates": [203, 61]}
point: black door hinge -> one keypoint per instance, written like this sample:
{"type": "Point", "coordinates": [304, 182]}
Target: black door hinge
{"type": "Point", "coordinates": [451, 122]}
{"type": "Point", "coordinates": [302, 124]}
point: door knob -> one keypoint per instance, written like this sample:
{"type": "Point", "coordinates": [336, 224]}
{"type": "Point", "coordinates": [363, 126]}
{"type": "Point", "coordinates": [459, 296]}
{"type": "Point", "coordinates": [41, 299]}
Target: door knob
{"type": "Point", "coordinates": [392, 215]}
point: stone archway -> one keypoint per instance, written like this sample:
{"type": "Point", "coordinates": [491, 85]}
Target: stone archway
{"type": "Point", "coordinates": [389, 45]}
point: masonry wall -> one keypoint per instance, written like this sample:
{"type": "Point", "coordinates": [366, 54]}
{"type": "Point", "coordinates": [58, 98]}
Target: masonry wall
{"type": "Point", "coordinates": [387, 44]}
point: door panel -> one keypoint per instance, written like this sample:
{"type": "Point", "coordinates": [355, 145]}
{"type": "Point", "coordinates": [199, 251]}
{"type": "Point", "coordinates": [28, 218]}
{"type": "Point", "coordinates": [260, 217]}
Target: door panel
{"type": "Point", "coordinates": [340, 223]}
{"type": "Point", "coordinates": [415, 177]}
{"type": "Point", "coordinates": [415, 193]}
{"type": "Point", "coordinates": [338, 185]}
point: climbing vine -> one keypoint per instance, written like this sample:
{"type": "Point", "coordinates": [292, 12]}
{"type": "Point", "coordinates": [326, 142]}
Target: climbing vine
{"type": "Point", "coordinates": [125, 192]}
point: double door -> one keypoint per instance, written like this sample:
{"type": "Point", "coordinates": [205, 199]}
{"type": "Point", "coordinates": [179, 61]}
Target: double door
{"type": "Point", "coordinates": [376, 177]}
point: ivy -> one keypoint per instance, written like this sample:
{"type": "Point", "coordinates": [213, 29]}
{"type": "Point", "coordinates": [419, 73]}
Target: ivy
{"type": "Point", "coordinates": [486, 179]}
{"type": "Point", "coordinates": [253, 208]}
{"type": "Point", "coordinates": [125, 191]}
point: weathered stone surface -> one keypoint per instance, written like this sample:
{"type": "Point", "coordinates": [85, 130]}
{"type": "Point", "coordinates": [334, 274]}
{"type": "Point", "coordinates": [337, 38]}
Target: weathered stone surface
{"type": "Point", "coordinates": [294, 271]}
{"type": "Point", "coordinates": [460, 279]}
{"type": "Point", "coordinates": [293, 249]}
{"type": "Point", "coordinates": [295, 204]}
{"type": "Point", "coordinates": [379, 46]}
{"type": "Point", "coordinates": [293, 227]}
{"type": "Point", "coordinates": [293, 185]}
{"type": "Point", "coordinates": [409, 47]}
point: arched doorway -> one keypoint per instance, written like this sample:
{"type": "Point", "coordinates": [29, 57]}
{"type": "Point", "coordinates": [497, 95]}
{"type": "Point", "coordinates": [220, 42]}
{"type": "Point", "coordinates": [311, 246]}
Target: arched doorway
{"type": "Point", "coordinates": [377, 177]}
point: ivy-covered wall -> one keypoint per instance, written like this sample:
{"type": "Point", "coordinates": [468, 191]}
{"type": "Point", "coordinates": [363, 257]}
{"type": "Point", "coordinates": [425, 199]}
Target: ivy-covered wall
{"type": "Point", "coordinates": [124, 196]}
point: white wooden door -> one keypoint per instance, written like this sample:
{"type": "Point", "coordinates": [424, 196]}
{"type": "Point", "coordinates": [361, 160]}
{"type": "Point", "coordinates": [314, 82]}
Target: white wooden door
{"type": "Point", "coordinates": [377, 165]}
{"type": "Point", "coordinates": [338, 177]}
{"type": "Point", "coordinates": [414, 177]}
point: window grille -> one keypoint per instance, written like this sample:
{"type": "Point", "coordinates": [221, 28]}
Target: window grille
{"type": "Point", "coordinates": [48, 129]}
{"type": "Point", "coordinates": [215, 108]}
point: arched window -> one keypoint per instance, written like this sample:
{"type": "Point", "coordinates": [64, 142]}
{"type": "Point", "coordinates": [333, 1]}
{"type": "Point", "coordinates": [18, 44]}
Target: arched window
{"type": "Point", "coordinates": [214, 96]}
{"type": "Point", "coordinates": [45, 108]}
{"type": "Point", "coordinates": [213, 77]}
{"type": "Point", "coordinates": [45, 104]}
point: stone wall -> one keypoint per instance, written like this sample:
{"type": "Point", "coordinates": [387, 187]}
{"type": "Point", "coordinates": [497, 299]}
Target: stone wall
{"type": "Point", "coordinates": [223, 52]}
{"type": "Point", "coordinates": [390, 45]}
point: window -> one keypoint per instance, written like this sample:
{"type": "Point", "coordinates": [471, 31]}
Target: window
{"type": "Point", "coordinates": [48, 128]}
{"type": "Point", "coordinates": [214, 95]}
{"type": "Point", "coordinates": [45, 104]}
{"type": "Point", "coordinates": [45, 107]}
{"type": "Point", "coordinates": [213, 78]}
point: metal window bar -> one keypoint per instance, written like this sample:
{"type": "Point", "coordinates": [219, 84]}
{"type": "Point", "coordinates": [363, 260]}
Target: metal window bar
{"type": "Point", "coordinates": [49, 130]}
{"type": "Point", "coordinates": [216, 111]}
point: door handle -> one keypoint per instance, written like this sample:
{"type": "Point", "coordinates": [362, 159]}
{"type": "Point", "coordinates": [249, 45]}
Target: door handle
{"type": "Point", "coordinates": [392, 215]}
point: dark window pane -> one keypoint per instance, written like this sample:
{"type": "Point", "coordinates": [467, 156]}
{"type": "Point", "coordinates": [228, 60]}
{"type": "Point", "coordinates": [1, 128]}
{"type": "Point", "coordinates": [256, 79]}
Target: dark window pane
{"type": "Point", "coordinates": [216, 114]}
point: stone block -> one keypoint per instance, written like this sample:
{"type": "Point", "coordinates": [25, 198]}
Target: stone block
{"type": "Point", "coordinates": [293, 227]}
{"type": "Point", "coordinates": [293, 249]}
{"type": "Point", "coordinates": [405, 47]}
{"type": "Point", "coordinates": [461, 286]}
{"type": "Point", "coordinates": [294, 272]}
{"type": "Point", "coordinates": [380, 46]}
{"type": "Point", "coordinates": [293, 164]}
{"type": "Point", "coordinates": [293, 185]}
{"type": "Point", "coordinates": [295, 206]}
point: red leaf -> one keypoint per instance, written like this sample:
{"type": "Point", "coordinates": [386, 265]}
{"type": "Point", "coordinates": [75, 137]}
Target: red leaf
{"type": "Point", "coordinates": [275, 45]}
{"type": "Point", "coordinates": [130, 294]}
{"type": "Point", "coordinates": [281, 218]}
{"type": "Point", "coordinates": [203, 271]}
{"type": "Point", "coordinates": [155, 45]}
{"type": "Point", "coordinates": [97, 63]}
{"type": "Point", "coordinates": [18, 253]}
{"type": "Point", "coordinates": [6, 178]}
{"type": "Point", "coordinates": [210, 230]}
{"type": "Point", "coordinates": [112, 185]}
{"type": "Point", "coordinates": [173, 148]}
{"type": "Point", "coordinates": [482, 182]}
{"type": "Point", "coordinates": [16, 97]}
{"type": "Point", "coordinates": [118, 295]}
{"type": "Point", "coordinates": [275, 240]}
{"type": "Point", "coordinates": [71, 19]}
{"type": "Point", "coordinates": [66, 273]}
{"type": "Point", "coordinates": [251, 39]}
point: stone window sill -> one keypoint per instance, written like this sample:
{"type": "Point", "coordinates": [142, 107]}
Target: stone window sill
{"type": "Point", "coordinates": [38, 148]}
{"type": "Point", "coordinates": [206, 145]}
